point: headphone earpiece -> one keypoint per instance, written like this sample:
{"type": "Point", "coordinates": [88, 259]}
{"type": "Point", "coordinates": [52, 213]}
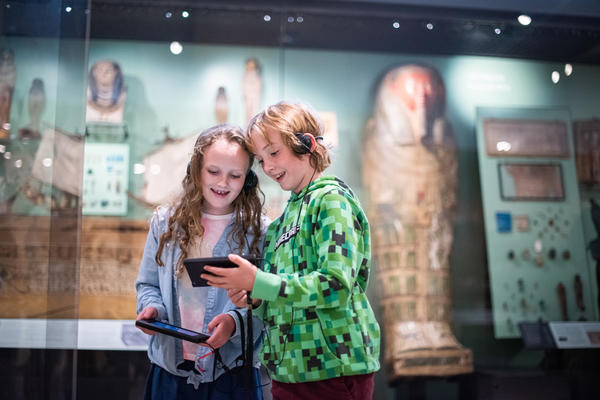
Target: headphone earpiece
{"type": "Point", "coordinates": [251, 181]}
{"type": "Point", "coordinates": [308, 143]}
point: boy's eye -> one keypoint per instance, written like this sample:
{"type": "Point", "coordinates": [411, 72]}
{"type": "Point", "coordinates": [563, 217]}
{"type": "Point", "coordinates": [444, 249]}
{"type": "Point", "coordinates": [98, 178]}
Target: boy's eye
{"type": "Point", "coordinates": [274, 153]}
{"type": "Point", "coordinates": [236, 176]}
{"type": "Point", "coordinates": [212, 172]}
{"type": "Point", "coordinates": [260, 162]}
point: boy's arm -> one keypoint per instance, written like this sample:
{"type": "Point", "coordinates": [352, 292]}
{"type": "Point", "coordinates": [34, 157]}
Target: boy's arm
{"type": "Point", "coordinates": [339, 250]}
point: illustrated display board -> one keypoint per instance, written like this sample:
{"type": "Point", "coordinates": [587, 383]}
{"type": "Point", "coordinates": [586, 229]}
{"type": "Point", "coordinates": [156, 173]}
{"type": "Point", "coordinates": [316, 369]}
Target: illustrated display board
{"type": "Point", "coordinates": [535, 245]}
{"type": "Point", "coordinates": [105, 178]}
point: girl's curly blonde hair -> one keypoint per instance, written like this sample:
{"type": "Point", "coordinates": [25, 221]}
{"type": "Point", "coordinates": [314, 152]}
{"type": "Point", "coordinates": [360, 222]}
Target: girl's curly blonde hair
{"type": "Point", "coordinates": [185, 222]}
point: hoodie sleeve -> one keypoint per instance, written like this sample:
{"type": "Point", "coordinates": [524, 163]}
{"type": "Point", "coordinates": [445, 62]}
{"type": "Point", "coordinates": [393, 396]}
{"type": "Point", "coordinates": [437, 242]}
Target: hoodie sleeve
{"type": "Point", "coordinates": [337, 247]}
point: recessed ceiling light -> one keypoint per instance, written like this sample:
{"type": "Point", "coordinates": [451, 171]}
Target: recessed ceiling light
{"type": "Point", "coordinates": [185, 14]}
{"type": "Point", "coordinates": [267, 17]}
{"type": "Point", "coordinates": [568, 69]}
{"type": "Point", "coordinates": [524, 19]}
{"type": "Point", "coordinates": [299, 20]}
{"type": "Point", "coordinates": [555, 76]}
{"type": "Point", "coordinates": [396, 24]}
{"type": "Point", "coordinates": [290, 19]}
{"type": "Point", "coordinates": [176, 48]}
{"type": "Point", "coordinates": [497, 31]}
{"type": "Point", "coordinates": [429, 26]}
{"type": "Point", "coordinates": [68, 9]}
{"type": "Point", "coordinates": [168, 14]}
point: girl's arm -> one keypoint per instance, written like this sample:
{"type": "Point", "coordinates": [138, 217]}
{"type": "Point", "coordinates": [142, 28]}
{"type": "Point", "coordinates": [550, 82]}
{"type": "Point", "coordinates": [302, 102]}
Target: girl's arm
{"type": "Point", "coordinates": [147, 283]}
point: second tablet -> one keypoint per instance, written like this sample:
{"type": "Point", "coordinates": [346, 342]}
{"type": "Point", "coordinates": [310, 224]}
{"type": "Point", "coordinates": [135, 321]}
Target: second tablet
{"type": "Point", "coordinates": [195, 267]}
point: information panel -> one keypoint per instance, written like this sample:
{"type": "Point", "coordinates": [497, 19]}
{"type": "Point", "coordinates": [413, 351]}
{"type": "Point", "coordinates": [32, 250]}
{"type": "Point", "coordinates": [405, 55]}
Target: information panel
{"type": "Point", "coordinates": [105, 178]}
{"type": "Point", "coordinates": [536, 252]}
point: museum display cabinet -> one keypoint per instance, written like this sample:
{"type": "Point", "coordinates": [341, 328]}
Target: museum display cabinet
{"type": "Point", "coordinates": [468, 129]}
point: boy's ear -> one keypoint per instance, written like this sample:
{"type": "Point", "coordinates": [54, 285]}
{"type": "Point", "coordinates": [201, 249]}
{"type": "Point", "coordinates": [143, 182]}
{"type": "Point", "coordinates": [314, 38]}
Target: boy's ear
{"type": "Point", "coordinates": [307, 142]}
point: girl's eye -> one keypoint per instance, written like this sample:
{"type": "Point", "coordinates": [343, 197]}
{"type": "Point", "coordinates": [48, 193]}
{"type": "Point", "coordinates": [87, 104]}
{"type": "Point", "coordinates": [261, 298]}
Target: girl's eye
{"type": "Point", "coordinates": [273, 154]}
{"type": "Point", "coordinates": [236, 176]}
{"type": "Point", "coordinates": [260, 162]}
{"type": "Point", "coordinates": [212, 172]}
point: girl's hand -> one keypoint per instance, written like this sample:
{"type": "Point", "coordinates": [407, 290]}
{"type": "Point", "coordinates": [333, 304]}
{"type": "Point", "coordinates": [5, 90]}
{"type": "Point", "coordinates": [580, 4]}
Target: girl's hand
{"type": "Point", "coordinates": [222, 327]}
{"type": "Point", "coordinates": [238, 297]}
{"type": "Point", "coordinates": [147, 313]}
{"type": "Point", "coordinates": [232, 278]}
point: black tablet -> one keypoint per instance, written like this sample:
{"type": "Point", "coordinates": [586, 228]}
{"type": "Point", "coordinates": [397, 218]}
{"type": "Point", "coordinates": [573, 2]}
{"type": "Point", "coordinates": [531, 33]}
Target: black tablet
{"type": "Point", "coordinates": [195, 267]}
{"type": "Point", "coordinates": [172, 330]}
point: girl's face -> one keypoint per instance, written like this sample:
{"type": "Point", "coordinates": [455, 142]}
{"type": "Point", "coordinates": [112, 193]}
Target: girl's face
{"type": "Point", "coordinates": [280, 163]}
{"type": "Point", "coordinates": [223, 173]}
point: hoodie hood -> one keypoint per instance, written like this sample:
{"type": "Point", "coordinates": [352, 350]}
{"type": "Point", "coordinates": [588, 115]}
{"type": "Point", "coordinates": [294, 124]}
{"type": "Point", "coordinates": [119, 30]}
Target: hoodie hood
{"type": "Point", "coordinates": [322, 182]}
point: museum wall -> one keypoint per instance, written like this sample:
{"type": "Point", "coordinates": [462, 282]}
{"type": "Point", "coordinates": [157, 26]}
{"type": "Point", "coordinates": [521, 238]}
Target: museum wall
{"type": "Point", "coordinates": [174, 95]}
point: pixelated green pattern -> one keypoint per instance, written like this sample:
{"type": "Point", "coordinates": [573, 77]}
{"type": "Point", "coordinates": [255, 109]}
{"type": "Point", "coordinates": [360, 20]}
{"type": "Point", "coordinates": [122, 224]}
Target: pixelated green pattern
{"type": "Point", "coordinates": [332, 331]}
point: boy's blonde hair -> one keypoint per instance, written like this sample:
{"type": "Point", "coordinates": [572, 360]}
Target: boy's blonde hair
{"type": "Point", "coordinates": [290, 119]}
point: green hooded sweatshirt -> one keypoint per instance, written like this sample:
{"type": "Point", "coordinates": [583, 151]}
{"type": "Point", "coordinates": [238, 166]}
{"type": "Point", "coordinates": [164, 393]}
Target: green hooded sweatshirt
{"type": "Point", "coordinates": [320, 324]}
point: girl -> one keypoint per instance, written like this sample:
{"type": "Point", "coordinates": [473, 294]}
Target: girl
{"type": "Point", "coordinates": [322, 337]}
{"type": "Point", "coordinates": [218, 213]}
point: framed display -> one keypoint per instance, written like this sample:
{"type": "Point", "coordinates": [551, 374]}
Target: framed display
{"type": "Point", "coordinates": [525, 138]}
{"type": "Point", "coordinates": [105, 179]}
{"type": "Point", "coordinates": [531, 182]}
{"type": "Point", "coordinates": [587, 151]}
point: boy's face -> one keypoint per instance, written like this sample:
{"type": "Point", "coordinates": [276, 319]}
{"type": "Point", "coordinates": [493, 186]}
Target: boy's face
{"type": "Point", "coordinates": [280, 163]}
{"type": "Point", "coordinates": [224, 169]}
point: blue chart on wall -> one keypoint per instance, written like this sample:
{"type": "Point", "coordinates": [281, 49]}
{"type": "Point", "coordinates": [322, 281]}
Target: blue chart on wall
{"type": "Point", "coordinates": [105, 178]}
{"type": "Point", "coordinates": [535, 245]}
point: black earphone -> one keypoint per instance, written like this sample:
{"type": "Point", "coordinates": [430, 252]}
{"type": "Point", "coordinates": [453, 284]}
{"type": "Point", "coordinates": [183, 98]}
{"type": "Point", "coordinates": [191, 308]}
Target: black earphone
{"type": "Point", "coordinates": [308, 143]}
{"type": "Point", "coordinates": [250, 182]}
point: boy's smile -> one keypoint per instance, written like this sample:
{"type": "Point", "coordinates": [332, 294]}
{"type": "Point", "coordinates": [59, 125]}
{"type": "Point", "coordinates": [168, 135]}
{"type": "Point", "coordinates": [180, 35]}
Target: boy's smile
{"type": "Point", "coordinates": [292, 172]}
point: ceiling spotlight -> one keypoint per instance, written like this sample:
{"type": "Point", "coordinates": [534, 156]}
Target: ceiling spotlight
{"type": "Point", "coordinates": [524, 19]}
{"type": "Point", "coordinates": [267, 17]}
{"type": "Point", "coordinates": [168, 14]}
{"type": "Point", "coordinates": [299, 20]}
{"type": "Point", "coordinates": [497, 31]}
{"type": "Point", "coordinates": [555, 76]}
{"type": "Point", "coordinates": [68, 9]}
{"type": "Point", "coordinates": [568, 69]}
{"type": "Point", "coordinates": [396, 24]}
{"type": "Point", "coordinates": [290, 19]}
{"type": "Point", "coordinates": [176, 48]}
{"type": "Point", "coordinates": [429, 26]}
{"type": "Point", "coordinates": [185, 14]}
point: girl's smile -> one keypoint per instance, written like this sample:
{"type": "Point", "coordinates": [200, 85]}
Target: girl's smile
{"type": "Point", "coordinates": [224, 169]}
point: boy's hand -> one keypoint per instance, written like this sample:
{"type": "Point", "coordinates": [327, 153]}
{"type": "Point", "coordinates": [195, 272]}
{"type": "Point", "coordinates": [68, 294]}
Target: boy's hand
{"type": "Point", "coordinates": [232, 278]}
